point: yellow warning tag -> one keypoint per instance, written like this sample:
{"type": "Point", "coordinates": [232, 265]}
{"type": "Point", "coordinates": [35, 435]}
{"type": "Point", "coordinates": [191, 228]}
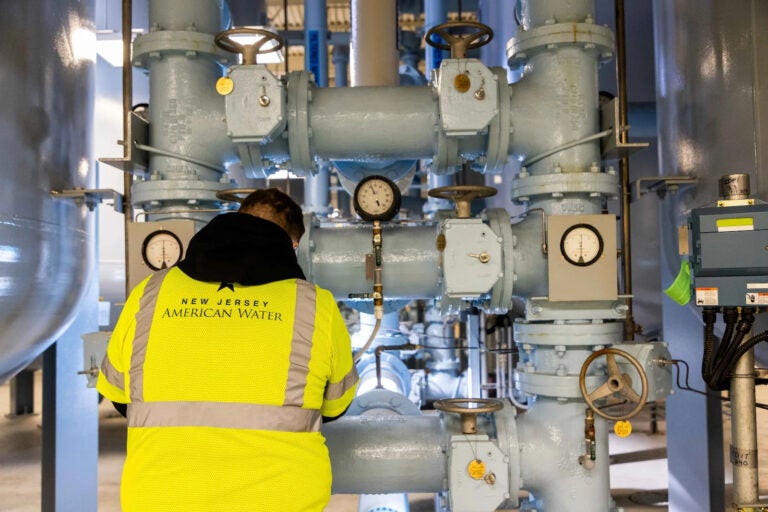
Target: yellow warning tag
{"type": "Point", "coordinates": [622, 428]}
{"type": "Point", "coordinates": [476, 469]}
{"type": "Point", "coordinates": [462, 83]}
{"type": "Point", "coordinates": [224, 85]}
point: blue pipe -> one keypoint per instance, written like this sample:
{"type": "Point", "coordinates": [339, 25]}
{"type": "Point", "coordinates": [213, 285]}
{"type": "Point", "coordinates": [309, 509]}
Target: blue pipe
{"type": "Point", "coordinates": [317, 196]}
{"type": "Point", "coordinates": [435, 13]}
{"type": "Point", "coordinates": [500, 16]}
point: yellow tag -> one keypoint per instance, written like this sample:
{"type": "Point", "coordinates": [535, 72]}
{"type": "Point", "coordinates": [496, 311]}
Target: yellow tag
{"type": "Point", "coordinates": [462, 83]}
{"type": "Point", "coordinates": [476, 469]}
{"type": "Point", "coordinates": [622, 428]}
{"type": "Point", "coordinates": [224, 85]}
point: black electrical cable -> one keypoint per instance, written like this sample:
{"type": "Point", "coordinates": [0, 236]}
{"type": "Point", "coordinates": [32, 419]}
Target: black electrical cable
{"type": "Point", "coordinates": [725, 359]}
{"type": "Point", "coordinates": [687, 387]}
{"type": "Point", "coordinates": [709, 315]}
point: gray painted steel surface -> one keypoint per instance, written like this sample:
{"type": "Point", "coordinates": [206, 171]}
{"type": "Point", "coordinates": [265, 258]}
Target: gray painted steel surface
{"type": "Point", "coordinates": [710, 105]}
{"type": "Point", "coordinates": [46, 244]}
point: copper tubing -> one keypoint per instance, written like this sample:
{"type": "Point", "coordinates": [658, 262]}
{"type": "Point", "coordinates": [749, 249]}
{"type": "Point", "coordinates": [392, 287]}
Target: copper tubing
{"type": "Point", "coordinates": [127, 25]}
{"type": "Point", "coordinates": [626, 193]}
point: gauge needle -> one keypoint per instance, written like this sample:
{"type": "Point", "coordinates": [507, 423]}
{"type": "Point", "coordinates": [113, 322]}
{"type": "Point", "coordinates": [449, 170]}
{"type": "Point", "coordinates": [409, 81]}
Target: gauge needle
{"type": "Point", "coordinates": [378, 203]}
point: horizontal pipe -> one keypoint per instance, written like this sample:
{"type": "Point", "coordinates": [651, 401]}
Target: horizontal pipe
{"type": "Point", "coordinates": [385, 454]}
{"type": "Point", "coordinates": [337, 258]}
{"type": "Point", "coordinates": [373, 123]}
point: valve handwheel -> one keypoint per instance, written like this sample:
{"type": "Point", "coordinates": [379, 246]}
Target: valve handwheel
{"type": "Point", "coordinates": [248, 51]}
{"type": "Point", "coordinates": [618, 384]}
{"type": "Point", "coordinates": [468, 409]}
{"type": "Point", "coordinates": [458, 43]}
{"type": "Point", "coordinates": [462, 195]}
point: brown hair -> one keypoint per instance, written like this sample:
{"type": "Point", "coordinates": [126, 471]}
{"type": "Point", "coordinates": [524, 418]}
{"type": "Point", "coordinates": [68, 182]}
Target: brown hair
{"type": "Point", "coordinates": [276, 206]}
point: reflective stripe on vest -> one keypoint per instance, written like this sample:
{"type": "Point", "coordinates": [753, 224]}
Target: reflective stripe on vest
{"type": "Point", "coordinates": [334, 391]}
{"type": "Point", "coordinates": [301, 345]}
{"type": "Point", "coordinates": [112, 374]}
{"type": "Point", "coordinates": [223, 415]}
{"type": "Point", "coordinates": [289, 418]}
{"type": "Point", "coordinates": [141, 336]}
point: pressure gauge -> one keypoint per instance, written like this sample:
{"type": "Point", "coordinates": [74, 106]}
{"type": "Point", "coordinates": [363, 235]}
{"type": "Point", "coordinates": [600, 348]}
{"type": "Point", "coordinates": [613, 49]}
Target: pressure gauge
{"type": "Point", "coordinates": [376, 198]}
{"type": "Point", "coordinates": [581, 245]}
{"type": "Point", "coordinates": [161, 249]}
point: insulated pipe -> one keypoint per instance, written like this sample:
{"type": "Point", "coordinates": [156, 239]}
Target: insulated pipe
{"type": "Point", "coordinates": [373, 43]}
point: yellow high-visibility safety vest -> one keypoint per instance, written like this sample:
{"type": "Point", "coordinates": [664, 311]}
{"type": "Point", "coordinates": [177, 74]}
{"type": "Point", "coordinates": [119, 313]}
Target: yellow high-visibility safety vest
{"type": "Point", "coordinates": [226, 385]}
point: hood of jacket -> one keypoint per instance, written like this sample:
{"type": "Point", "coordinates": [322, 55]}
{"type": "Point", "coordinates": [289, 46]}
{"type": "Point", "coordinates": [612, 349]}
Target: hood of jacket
{"type": "Point", "coordinates": [241, 248]}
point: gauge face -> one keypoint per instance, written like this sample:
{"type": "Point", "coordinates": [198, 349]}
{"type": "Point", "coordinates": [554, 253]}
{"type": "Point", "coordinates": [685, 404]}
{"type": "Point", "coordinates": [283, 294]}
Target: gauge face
{"type": "Point", "coordinates": [377, 198]}
{"type": "Point", "coordinates": [581, 245]}
{"type": "Point", "coordinates": [161, 249]}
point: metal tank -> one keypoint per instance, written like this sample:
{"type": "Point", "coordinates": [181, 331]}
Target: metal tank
{"type": "Point", "coordinates": [46, 244]}
{"type": "Point", "coordinates": [710, 80]}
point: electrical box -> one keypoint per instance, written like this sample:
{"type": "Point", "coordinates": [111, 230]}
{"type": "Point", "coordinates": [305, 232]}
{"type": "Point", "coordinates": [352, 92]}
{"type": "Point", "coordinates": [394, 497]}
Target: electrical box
{"type": "Point", "coordinates": [153, 246]}
{"type": "Point", "coordinates": [582, 256]}
{"type": "Point", "coordinates": [729, 255]}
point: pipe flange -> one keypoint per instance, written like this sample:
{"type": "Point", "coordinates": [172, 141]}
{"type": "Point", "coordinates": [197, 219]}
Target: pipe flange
{"type": "Point", "coordinates": [307, 245]}
{"type": "Point", "coordinates": [301, 164]}
{"type": "Point", "coordinates": [525, 186]}
{"type": "Point", "coordinates": [498, 130]}
{"type": "Point", "coordinates": [153, 194]}
{"type": "Point", "coordinates": [501, 293]}
{"type": "Point", "coordinates": [381, 400]}
{"type": "Point", "coordinates": [154, 45]}
{"type": "Point", "coordinates": [588, 36]}
{"type": "Point", "coordinates": [554, 386]}
{"type": "Point", "coordinates": [568, 334]}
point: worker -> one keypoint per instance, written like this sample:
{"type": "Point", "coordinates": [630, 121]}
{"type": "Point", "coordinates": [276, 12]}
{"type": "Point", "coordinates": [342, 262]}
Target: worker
{"type": "Point", "coordinates": [228, 363]}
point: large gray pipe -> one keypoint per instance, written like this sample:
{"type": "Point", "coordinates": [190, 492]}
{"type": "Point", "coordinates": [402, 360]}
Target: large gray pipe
{"type": "Point", "coordinates": [46, 245]}
{"type": "Point", "coordinates": [385, 454]}
{"type": "Point", "coordinates": [373, 43]}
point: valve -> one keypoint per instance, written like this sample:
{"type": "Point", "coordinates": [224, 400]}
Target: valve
{"type": "Point", "coordinates": [618, 384]}
{"type": "Point", "coordinates": [459, 43]}
{"type": "Point", "coordinates": [468, 409]}
{"type": "Point", "coordinates": [249, 51]}
{"type": "Point", "coordinates": [462, 196]}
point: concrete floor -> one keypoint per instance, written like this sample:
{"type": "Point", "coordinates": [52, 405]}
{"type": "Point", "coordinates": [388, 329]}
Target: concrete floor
{"type": "Point", "coordinates": [638, 472]}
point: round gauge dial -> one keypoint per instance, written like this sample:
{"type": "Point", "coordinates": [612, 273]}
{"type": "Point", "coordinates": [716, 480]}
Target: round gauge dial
{"type": "Point", "coordinates": [377, 198]}
{"type": "Point", "coordinates": [161, 249]}
{"type": "Point", "coordinates": [581, 245]}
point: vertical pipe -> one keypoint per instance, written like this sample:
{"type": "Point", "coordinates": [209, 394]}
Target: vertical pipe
{"type": "Point", "coordinates": [373, 43]}
{"type": "Point", "coordinates": [473, 345]}
{"type": "Point", "coordinates": [744, 432]}
{"type": "Point", "coordinates": [127, 76]}
{"type": "Point", "coordinates": [435, 13]}
{"type": "Point", "coordinates": [626, 194]}
{"type": "Point", "coordinates": [317, 192]}
{"type": "Point", "coordinates": [341, 70]}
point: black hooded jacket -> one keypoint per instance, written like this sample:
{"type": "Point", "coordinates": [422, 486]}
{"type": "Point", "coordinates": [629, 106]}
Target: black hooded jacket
{"type": "Point", "coordinates": [241, 248]}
